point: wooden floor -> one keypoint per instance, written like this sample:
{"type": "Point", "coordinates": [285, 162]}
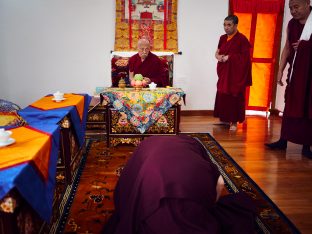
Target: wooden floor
{"type": "Point", "coordinates": [286, 177]}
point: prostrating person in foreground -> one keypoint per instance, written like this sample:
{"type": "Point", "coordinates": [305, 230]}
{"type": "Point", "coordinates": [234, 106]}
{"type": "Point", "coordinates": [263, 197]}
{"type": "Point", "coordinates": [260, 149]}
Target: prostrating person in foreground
{"type": "Point", "coordinates": [234, 73]}
{"type": "Point", "coordinates": [148, 65]}
{"type": "Point", "coordinates": [170, 185]}
{"type": "Point", "coordinates": [297, 52]}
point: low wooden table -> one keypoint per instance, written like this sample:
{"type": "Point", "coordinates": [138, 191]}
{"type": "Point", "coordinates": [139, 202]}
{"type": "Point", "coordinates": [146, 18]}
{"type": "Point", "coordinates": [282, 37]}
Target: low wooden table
{"type": "Point", "coordinates": [66, 128]}
{"type": "Point", "coordinates": [20, 217]}
{"type": "Point", "coordinates": [133, 115]}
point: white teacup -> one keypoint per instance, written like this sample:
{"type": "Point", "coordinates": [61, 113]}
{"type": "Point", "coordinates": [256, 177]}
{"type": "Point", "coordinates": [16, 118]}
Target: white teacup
{"type": "Point", "coordinates": [4, 135]}
{"type": "Point", "coordinates": [58, 95]}
{"type": "Point", "coordinates": [152, 85]}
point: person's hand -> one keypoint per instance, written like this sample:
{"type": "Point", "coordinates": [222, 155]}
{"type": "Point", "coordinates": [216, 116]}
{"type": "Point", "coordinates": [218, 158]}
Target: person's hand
{"type": "Point", "coordinates": [225, 58]}
{"type": "Point", "coordinates": [279, 78]}
{"type": "Point", "coordinates": [219, 187]}
{"type": "Point", "coordinates": [220, 57]}
{"type": "Point", "coordinates": [295, 45]}
{"type": "Point", "coordinates": [148, 80]}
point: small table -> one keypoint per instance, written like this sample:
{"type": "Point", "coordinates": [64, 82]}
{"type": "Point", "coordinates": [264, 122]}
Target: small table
{"type": "Point", "coordinates": [38, 170]}
{"type": "Point", "coordinates": [132, 115]}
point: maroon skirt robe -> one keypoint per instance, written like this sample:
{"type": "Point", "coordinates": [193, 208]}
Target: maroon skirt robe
{"type": "Point", "coordinates": [169, 186]}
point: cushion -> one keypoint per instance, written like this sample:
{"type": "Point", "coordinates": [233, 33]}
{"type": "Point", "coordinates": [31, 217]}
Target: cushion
{"type": "Point", "coordinates": [120, 69]}
{"type": "Point", "coordinates": [9, 116]}
{"type": "Point", "coordinates": [8, 106]}
{"type": "Point", "coordinates": [11, 119]}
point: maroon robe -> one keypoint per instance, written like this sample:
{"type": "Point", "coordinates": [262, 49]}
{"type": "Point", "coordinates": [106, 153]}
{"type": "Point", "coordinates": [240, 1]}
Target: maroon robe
{"type": "Point", "coordinates": [297, 116]}
{"type": "Point", "coordinates": [151, 67]}
{"type": "Point", "coordinates": [234, 76]}
{"type": "Point", "coordinates": [169, 186]}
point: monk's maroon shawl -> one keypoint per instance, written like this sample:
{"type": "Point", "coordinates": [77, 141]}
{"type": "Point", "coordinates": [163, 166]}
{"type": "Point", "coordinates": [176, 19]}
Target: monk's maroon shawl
{"type": "Point", "coordinates": [151, 67]}
{"type": "Point", "coordinates": [297, 116]}
{"type": "Point", "coordinates": [235, 74]}
{"type": "Point", "coordinates": [298, 102]}
{"type": "Point", "coordinates": [169, 186]}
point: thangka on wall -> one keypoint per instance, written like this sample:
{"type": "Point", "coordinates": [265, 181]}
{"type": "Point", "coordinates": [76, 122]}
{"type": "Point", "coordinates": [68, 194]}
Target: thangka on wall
{"type": "Point", "coordinates": [155, 20]}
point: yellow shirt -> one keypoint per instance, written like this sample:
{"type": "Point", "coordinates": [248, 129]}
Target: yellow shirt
{"type": "Point", "coordinates": [231, 36]}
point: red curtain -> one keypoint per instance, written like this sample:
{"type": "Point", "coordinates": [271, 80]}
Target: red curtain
{"type": "Point", "coordinates": [261, 22]}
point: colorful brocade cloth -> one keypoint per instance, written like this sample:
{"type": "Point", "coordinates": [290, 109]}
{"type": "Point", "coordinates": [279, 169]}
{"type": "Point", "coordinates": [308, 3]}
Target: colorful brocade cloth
{"type": "Point", "coordinates": [143, 108]}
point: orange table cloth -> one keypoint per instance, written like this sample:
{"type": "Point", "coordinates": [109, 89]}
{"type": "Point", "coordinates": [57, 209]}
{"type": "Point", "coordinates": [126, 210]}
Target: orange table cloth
{"type": "Point", "coordinates": [46, 103]}
{"type": "Point", "coordinates": [30, 146]}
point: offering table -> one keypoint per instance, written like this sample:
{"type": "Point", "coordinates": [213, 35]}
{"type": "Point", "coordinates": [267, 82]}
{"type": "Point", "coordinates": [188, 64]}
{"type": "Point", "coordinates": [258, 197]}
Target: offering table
{"type": "Point", "coordinates": [135, 114]}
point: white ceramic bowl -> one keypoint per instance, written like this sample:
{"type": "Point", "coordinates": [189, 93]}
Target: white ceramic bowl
{"type": "Point", "coordinates": [5, 136]}
{"type": "Point", "coordinates": [152, 85]}
{"type": "Point", "coordinates": [58, 95]}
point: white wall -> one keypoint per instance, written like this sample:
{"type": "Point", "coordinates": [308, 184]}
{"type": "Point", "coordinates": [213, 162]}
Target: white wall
{"type": "Point", "coordinates": [49, 45]}
{"type": "Point", "coordinates": [279, 102]}
{"type": "Point", "coordinates": [54, 45]}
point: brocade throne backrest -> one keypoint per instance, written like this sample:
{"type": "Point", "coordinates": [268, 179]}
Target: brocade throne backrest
{"type": "Point", "coordinates": [120, 68]}
{"type": "Point", "coordinates": [9, 116]}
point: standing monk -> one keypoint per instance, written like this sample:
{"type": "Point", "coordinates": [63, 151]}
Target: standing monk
{"type": "Point", "coordinates": [148, 65]}
{"type": "Point", "coordinates": [234, 72]}
{"type": "Point", "coordinates": [297, 116]}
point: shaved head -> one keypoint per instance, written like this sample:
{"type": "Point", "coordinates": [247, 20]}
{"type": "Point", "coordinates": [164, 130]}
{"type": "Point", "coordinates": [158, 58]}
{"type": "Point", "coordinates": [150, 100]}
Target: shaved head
{"type": "Point", "coordinates": [302, 1]}
{"type": "Point", "coordinates": [143, 41]}
{"type": "Point", "coordinates": [300, 9]}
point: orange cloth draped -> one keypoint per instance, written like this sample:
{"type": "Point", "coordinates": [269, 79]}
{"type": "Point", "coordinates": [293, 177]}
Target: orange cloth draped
{"type": "Point", "coordinates": [30, 145]}
{"type": "Point", "coordinates": [46, 103]}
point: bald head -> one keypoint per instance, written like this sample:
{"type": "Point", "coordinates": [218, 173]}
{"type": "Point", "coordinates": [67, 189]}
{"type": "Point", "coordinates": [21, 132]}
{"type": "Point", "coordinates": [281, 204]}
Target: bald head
{"type": "Point", "coordinates": [299, 9]}
{"type": "Point", "coordinates": [143, 41]}
{"type": "Point", "coordinates": [303, 1]}
{"type": "Point", "coordinates": [143, 48]}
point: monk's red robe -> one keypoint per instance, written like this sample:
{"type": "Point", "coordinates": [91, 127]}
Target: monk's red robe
{"type": "Point", "coordinates": [234, 76]}
{"type": "Point", "coordinates": [297, 116]}
{"type": "Point", "coordinates": [151, 67]}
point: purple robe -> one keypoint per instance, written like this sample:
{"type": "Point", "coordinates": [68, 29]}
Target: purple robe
{"type": "Point", "coordinates": [152, 67]}
{"type": "Point", "coordinates": [169, 186]}
{"type": "Point", "coordinates": [297, 116]}
{"type": "Point", "coordinates": [234, 76]}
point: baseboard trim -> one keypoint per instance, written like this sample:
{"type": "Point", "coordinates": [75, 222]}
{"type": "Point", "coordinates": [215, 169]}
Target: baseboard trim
{"type": "Point", "coordinates": [274, 112]}
{"type": "Point", "coordinates": [196, 112]}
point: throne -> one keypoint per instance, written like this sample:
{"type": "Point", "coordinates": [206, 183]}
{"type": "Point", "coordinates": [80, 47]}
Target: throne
{"type": "Point", "coordinates": [120, 67]}
{"type": "Point", "coordinates": [9, 116]}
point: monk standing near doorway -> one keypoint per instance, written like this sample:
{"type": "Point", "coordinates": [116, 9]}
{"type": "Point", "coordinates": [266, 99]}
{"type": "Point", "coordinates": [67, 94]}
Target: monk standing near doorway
{"type": "Point", "coordinates": [234, 72]}
{"type": "Point", "coordinates": [297, 52]}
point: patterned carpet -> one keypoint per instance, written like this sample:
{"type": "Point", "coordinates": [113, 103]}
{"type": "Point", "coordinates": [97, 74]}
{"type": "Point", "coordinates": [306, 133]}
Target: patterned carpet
{"type": "Point", "coordinates": [89, 208]}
